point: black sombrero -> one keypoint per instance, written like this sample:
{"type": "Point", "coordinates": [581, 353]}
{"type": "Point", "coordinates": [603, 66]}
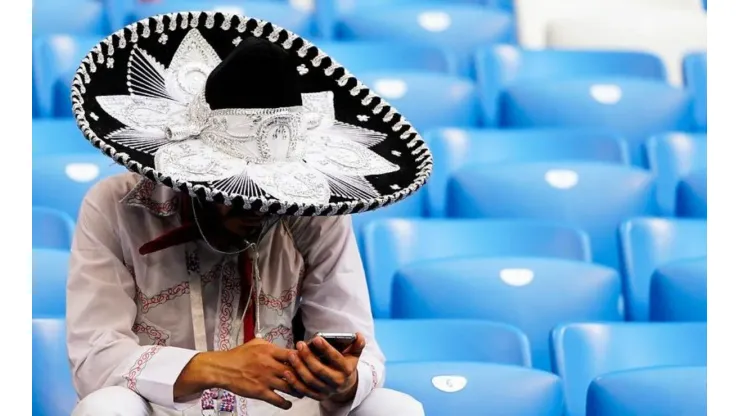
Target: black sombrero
{"type": "Point", "coordinates": [238, 111]}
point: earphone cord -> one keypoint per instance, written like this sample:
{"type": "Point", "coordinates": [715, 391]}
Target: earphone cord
{"type": "Point", "coordinates": [200, 230]}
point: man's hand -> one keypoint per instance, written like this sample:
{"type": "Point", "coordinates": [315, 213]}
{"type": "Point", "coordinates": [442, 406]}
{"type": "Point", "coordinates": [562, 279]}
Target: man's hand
{"type": "Point", "coordinates": [254, 370]}
{"type": "Point", "coordinates": [327, 374]}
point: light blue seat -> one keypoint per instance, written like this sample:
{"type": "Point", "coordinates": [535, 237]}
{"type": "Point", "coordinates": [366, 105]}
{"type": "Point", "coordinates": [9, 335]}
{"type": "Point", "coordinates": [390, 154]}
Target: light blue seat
{"type": "Point", "coordinates": [634, 108]}
{"type": "Point", "coordinates": [58, 136]}
{"type": "Point", "coordinates": [531, 294]}
{"type": "Point", "coordinates": [672, 157]}
{"type": "Point", "coordinates": [500, 66]}
{"type": "Point", "coordinates": [389, 245]}
{"type": "Point", "coordinates": [364, 56]}
{"type": "Point", "coordinates": [53, 393]}
{"type": "Point", "coordinates": [412, 207]}
{"type": "Point", "coordinates": [52, 229]}
{"type": "Point", "coordinates": [459, 28]}
{"type": "Point", "coordinates": [650, 391]}
{"type": "Point", "coordinates": [582, 352]}
{"type": "Point", "coordinates": [447, 389]}
{"type": "Point", "coordinates": [595, 197]}
{"type": "Point", "coordinates": [455, 148]}
{"type": "Point", "coordinates": [418, 340]}
{"type": "Point", "coordinates": [74, 17]}
{"type": "Point", "coordinates": [55, 60]}
{"type": "Point", "coordinates": [426, 99]}
{"type": "Point", "coordinates": [695, 78]}
{"type": "Point", "coordinates": [50, 269]}
{"type": "Point", "coordinates": [691, 197]}
{"type": "Point", "coordinates": [678, 291]}
{"type": "Point", "coordinates": [649, 243]}
{"type": "Point", "coordinates": [62, 181]}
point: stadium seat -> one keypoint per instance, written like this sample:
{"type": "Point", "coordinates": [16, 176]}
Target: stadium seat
{"type": "Point", "coordinates": [55, 60]}
{"type": "Point", "coordinates": [411, 207]}
{"type": "Point", "coordinates": [61, 182]}
{"type": "Point", "coordinates": [365, 56]}
{"type": "Point", "coordinates": [649, 243]}
{"type": "Point", "coordinates": [673, 156]}
{"type": "Point", "coordinates": [531, 294]}
{"type": "Point", "coordinates": [678, 291]}
{"type": "Point", "coordinates": [691, 197]}
{"type": "Point", "coordinates": [633, 108]}
{"type": "Point", "coordinates": [650, 391]}
{"type": "Point", "coordinates": [459, 28]}
{"type": "Point", "coordinates": [595, 197]}
{"type": "Point", "coordinates": [52, 229]}
{"type": "Point", "coordinates": [455, 148]}
{"type": "Point", "coordinates": [670, 34]}
{"type": "Point", "coordinates": [446, 389]}
{"type": "Point", "coordinates": [427, 99]}
{"type": "Point", "coordinates": [53, 393]}
{"type": "Point", "coordinates": [57, 137]}
{"type": "Point", "coordinates": [49, 282]}
{"type": "Point", "coordinates": [582, 352]}
{"type": "Point", "coordinates": [73, 17]}
{"type": "Point", "coordinates": [419, 340]}
{"type": "Point", "coordinates": [695, 79]}
{"type": "Point", "coordinates": [500, 66]}
{"type": "Point", "coordinates": [389, 245]}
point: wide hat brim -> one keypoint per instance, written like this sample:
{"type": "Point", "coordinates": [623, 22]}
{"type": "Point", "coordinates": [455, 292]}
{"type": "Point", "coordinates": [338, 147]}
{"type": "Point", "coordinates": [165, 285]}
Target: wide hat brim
{"type": "Point", "coordinates": [367, 158]}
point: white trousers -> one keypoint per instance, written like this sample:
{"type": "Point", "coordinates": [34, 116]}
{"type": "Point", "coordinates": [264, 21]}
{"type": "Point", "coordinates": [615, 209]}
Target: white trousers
{"type": "Point", "coordinates": [120, 401]}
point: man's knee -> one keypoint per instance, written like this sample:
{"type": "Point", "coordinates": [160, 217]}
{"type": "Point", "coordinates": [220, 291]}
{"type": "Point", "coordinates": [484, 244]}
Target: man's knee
{"type": "Point", "coordinates": [383, 402]}
{"type": "Point", "coordinates": [112, 401]}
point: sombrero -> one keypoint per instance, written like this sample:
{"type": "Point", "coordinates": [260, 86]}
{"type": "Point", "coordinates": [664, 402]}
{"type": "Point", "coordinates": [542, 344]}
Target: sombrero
{"type": "Point", "coordinates": [239, 111]}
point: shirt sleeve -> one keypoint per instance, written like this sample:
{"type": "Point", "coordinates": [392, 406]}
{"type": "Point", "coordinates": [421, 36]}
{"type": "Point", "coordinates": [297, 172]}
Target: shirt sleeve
{"type": "Point", "coordinates": [103, 349]}
{"type": "Point", "coordinates": [335, 297]}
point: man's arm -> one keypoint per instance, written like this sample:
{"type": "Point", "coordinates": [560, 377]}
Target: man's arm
{"type": "Point", "coordinates": [335, 297]}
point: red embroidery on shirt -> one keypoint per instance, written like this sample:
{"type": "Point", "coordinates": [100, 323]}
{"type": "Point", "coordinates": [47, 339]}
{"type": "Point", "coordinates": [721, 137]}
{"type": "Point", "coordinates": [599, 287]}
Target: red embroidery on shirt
{"type": "Point", "coordinates": [283, 332]}
{"type": "Point", "coordinates": [281, 302]}
{"type": "Point", "coordinates": [139, 366]}
{"type": "Point", "coordinates": [141, 195]}
{"type": "Point", "coordinates": [230, 287]}
{"type": "Point", "coordinates": [242, 406]}
{"type": "Point", "coordinates": [163, 296]}
{"type": "Point", "coordinates": [158, 336]}
{"type": "Point", "coordinates": [374, 373]}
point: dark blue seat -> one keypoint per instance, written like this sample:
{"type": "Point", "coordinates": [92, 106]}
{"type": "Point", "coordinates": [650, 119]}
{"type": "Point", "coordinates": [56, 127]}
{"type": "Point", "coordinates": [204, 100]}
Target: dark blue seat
{"type": "Point", "coordinates": [678, 291]}
{"type": "Point", "coordinates": [691, 196]}
{"type": "Point", "coordinates": [53, 393]}
{"type": "Point", "coordinates": [52, 229]}
{"type": "Point", "coordinates": [695, 79]}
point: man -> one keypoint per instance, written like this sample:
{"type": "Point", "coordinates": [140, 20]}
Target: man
{"type": "Point", "coordinates": [184, 282]}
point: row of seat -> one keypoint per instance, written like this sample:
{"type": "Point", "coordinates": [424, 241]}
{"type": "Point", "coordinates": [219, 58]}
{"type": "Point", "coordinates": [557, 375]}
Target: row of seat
{"type": "Point", "coordinates": [600, 368]}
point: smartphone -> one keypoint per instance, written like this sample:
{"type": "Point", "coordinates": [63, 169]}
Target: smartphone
{"type": "Point", "coordinates": [339, 340]}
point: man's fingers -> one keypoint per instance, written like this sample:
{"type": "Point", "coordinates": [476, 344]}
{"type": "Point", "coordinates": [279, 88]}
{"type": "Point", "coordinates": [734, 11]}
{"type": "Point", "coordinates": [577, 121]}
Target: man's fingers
{"type": "Point", "coordinates": [305, 374]}
{"type": "Point", "coordinates": [299, 387]}
{"type": "Point", "coordinates": [332, 357]}
{"type": "Point", "coordinates": [280, 354]}
{"type": "Point", "coordinates": [274, 399]}
{"type": "Point", "coordinates": [320, 370]}
{"type": "Point", "coordinates": [357, 346]}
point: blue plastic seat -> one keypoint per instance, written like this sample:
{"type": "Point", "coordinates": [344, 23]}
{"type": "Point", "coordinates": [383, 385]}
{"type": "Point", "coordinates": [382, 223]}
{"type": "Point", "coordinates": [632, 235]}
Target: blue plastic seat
{"type": "Point", "coordinates": [634, 108]}
{"type": "Point", "coordinates": [691, 196]}
{"type": "Point", "coordinates": [53, 393]}
{"type": "Point", "coordinates": [459, 28]}
{"type": "Point", "coordinates": [59, 136]}
{"type": "Point", "coordinates": [672, 157]}
{"type": "Point", "coordinates": [62, 181]}
{"type": "Point", "coordinates": [531, 294]}
{"type": "Point", "coordinates": [52, 229]}
{"type": "Point", "coordinates": [74, 17]}
{"type": "Point", "coordinates": [426, 99]}
{"type": "Point", "coordinates": [582, 352]}
{"type": "Point", "coordinates": [457, 148]}
{"type": "Point", "coordinates": [500, 66]}
{"type": "Point", "coordinates": [389, 245]}
{"type": "Point", "coordinates": [649, 243]}
{"type": "Point", "coordinates": [365, 56]}
{"type": "Point", "coordinates": [419, 340]}
{"type": "Point", "coordinates": [695, 78]}
{"type": "Point", "coordinates": [50, 269]}
{"type": "Point", "coordinates": [412, 207]}
{"type": "Point", "coordinates": [650, 391]}
{"type": "Point", "coordinates": [446, 389]}
{"type": "Point", "coordinates": [678, 291]}
{"type": "Point", "coordinates": [595, 197]}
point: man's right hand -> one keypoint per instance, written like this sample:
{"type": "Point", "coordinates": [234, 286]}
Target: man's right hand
{"type": "Point", "coordinates": [254, 370]}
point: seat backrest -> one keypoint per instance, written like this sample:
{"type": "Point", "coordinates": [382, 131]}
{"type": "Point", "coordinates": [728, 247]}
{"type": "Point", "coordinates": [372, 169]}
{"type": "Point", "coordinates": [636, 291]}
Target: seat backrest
{"type": "Point", "coordinates": [582, 352]}
{"type": "Point", "coordinates": [691, 196]}
{"type": "Point", "coordinates": [531, 294]}
{"type": "Point", "coordinates": [58, 136]}
{"type": "Point", "coordinates": [52, 229]}
{"type": "Point", "coordinates": [53, 393]}
{"type": "Point", "coordinates": [500, 66]}
{"type": "Point", "coordinates": [648, 243]}
{"type": "Point", "coordinates": [595, 197]}
{"type": "Point", "coordinates": [455, 148]}
{"type": "Point", "coordinates": [673, 156]}
{"type": "Point", "coordinates": [634, 108]}
{"type": "Point", "coordinates": [413, 207]}
{"type": "Point", "coordinates": [418, 340]}
{"type": "Point", "coordinates": [695, 79]}
{"type": "Point", "coordinates": [365, 56]}
{"type": "Point", "coordinates": [50, 269]}
{"type": "Point", "coordinates": [389, 245]}
{"type": "Point", "coordinates": [473, 388]}
{"type": "Point", "coordinates": [75, 17]}
{"type": "Point", "coordinates": [678, 291]}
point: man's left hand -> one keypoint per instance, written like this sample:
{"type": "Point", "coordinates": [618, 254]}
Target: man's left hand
{"type": "Point", "coordinates": [334, 378]}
